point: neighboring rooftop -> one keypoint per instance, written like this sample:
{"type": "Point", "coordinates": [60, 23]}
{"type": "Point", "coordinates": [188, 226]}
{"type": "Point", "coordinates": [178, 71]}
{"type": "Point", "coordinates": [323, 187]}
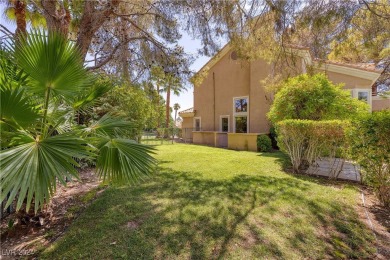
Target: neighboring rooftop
{"type": "Point", "coordinates": [363, 66]}
{"type": "Point", "coordinates": [188, 110]}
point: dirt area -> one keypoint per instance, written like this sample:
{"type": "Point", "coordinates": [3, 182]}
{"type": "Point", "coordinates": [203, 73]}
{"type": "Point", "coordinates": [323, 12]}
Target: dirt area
{"type": "Point", "coordinates": [27, 234]}
{"type": "Point", "coordinates": [377, 218]}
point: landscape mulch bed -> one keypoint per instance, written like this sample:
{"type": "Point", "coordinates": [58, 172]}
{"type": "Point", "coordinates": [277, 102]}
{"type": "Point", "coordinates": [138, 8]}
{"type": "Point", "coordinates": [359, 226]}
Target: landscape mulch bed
{"type": "Point", "coordinates": [28, 233]}
{"type": "Point", "coordinates": [376, 218]}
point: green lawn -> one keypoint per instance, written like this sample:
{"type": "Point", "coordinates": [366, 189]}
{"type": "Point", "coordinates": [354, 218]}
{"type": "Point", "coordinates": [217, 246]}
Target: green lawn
{"type": "Point", "coordinates": [213, 203]}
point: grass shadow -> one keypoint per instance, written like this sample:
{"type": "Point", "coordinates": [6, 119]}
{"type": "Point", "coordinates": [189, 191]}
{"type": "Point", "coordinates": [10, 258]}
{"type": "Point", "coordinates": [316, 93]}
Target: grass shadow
{"type": "Point", "coordinates": [177, 215]}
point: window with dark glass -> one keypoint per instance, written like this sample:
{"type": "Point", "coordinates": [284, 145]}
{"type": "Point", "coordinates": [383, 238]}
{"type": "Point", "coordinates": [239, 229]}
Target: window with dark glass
{"type": "Point", "coordinates": [241, 105]}
{"type": "Point", "coordinates": [363, 96]}
{"type": "Point", "coordinates": [197, 124]}
{"type": "Point", "coordinates": [241, 124]}
{"type": "Point", "coordinates": [225, 124]}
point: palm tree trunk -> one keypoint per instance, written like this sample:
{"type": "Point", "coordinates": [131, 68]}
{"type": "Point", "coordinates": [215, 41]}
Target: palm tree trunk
{"type": "Point", "coordinates": [167, 107]}
{"type": "Point", "coordinates": [158, 106]}
{"type": "Point", "coordinates": [20, 15]}
{"type": "Point", "coordinates": [175, 116]}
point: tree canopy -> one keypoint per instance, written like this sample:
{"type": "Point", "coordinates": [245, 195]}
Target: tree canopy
{"type": "Point", "coordinates": [314, 98]}
{"type": "Point", "coordinates": [129, 37]}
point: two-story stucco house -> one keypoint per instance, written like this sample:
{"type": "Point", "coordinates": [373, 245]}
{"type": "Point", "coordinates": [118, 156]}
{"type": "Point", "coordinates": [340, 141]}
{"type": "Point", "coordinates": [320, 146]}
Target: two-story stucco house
{"type": "Point", "coordinates": [230, 105]}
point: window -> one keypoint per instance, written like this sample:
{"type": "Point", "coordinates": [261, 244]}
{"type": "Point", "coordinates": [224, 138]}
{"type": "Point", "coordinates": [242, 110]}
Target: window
{"type": "Point", "coordinates": [197, 123]}
{"type": "Point", "coordinates": [224, 124]}
{"type": "Point", "coordinates": [240, 114]}
{"type": "Point", "coordinates": [363, 95]}
{"type": "Point", "coordinates": [241, 124]}
{"type": "Point", "coordinates": [241, 105]}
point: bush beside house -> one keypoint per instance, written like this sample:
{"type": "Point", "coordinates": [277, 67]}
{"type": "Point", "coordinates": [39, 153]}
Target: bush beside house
{"type": "Point", "coordinates": [307, 140]}
{"type": "Point", "coordinates": [369, 145]}
{"type": "Point", "coordinates": [264, 143]}
{"type": "Point", "coordinates": [314, 98]}
{"type": "Point", "coordinates": [315, 118]}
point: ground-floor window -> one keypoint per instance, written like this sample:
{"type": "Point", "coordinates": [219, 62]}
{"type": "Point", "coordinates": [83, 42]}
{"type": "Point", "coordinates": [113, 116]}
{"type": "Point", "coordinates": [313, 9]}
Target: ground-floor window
{"type": "Point", "coordinates": [241, 124]}
{"type": "Point", "coordinates": [224, 124]}
{"type": "Point", "coordinates": [197, 124]}
{"type": "Point", "coordinates": [363, 95]}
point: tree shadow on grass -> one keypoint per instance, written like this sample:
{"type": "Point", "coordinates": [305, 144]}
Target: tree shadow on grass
{"type": "Point", "coordinates": [177, 215]}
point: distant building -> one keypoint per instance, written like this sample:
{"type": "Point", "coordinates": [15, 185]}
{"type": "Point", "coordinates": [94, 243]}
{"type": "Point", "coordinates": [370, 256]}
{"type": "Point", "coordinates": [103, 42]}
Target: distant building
{"type": "Point", "coordinates": [230, 106]}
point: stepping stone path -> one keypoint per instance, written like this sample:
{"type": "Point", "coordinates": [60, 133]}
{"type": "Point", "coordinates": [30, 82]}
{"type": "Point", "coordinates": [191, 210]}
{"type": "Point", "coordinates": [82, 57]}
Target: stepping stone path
{"type": "Point", "coordinates": [330, 167]}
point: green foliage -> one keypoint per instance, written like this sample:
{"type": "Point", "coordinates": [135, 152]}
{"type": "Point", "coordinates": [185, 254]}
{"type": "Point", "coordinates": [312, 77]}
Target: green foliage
{"type": "Point", "coordinates": [264, 143]}
{"type": "Point", "coordinates": [39, 113]}
{"type": "Point", "coordinates": [369, 138]}
{"type": "Point", "coordinates": [306, 140]}
{"type": "Point", "coordinates": [314, 98]}
{"type": "Point", "coordinates": [368, 37]}
{"type": "Point", "coordinates": [52, 63]}
{"type": "Point", "coordinates": [133, 104]}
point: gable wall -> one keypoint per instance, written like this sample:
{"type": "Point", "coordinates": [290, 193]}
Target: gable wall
{"type": "Point", "coordinates": [231, 80]}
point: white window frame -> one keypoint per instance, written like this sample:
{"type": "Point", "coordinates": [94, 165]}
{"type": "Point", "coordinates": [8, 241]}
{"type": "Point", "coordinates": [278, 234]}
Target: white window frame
{"type": "Point", "coordinates": [355, 94]}
{"type": "Point", "coordinates": [200, 123]}
{"type": "Point", "coordinates": [220, 123]}
{"type": "Point", "coordinates": [240, 114]}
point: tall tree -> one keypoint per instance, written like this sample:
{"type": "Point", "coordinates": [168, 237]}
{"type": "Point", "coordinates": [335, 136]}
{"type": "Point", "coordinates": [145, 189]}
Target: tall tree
{"type": "Point", "coordinates": [171, 84]}
{"type": "Point", "coordinates": [16, 10]}
{"type": "Point", "coordinates": [176, 107]}
{"type": "Point", "coordinates": [255, 28]}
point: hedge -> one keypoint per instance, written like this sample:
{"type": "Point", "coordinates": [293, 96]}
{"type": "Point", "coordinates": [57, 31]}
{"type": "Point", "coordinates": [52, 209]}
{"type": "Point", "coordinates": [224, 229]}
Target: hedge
{"type": "Point", "coordinates": [307, 140]}
{"type": "Point", "coordinates": [369, 145]}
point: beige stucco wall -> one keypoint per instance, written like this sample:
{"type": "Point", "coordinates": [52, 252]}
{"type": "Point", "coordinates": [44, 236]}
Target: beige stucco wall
{"type": "Point", "coordinates": [202, 137]}
{"type": "Point", "coordinates": [379, 103]}
{"type": "Point", "coordinates": [231, 80]}
{"type": "Point", "coordinates": [186, 127]}
{"type": "Point", "coordinates": [242, 142]}
{"type": "Point", "coordinates": [258, 103]}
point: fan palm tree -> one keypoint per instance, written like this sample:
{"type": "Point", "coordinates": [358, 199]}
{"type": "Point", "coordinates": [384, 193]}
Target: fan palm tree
{"type": "Point", "coordinates": [173, 85]}
{"type": "Point", "coordinates": [41, 140]}
{"type": "Point", "coordinates": [176, 107]}
{"type": "Point", "coordinates": [23, 12]}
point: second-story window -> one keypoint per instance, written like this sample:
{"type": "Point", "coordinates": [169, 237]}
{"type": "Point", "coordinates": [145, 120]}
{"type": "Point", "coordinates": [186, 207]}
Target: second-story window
{"type": "Point", "coordinates": [240, 112]}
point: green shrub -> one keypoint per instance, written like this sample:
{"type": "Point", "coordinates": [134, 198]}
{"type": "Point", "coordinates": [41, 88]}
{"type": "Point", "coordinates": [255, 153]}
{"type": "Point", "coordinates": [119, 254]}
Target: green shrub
{"type": "Point", "coordinates": [369, 141]}
{"type": "Point", "coordinates": [307, 140]}
{"type": "Point", "coordinates": [314, 98]}
{"type": "Point", "coordinates": [274, 137]}
{"type": "Point", "coordinates": [264, 143]}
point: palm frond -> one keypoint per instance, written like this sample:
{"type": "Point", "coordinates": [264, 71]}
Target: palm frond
{"type": "Point", "coordinates": [123, 160]}
{"type": "Point", "coordinates": [90, 97]}
{"type": "Point", "coordinates": [12, 76]}
{"type": "Point", "coordinates": [51, 61]}
{"type": "Point", "coordinates": [109, 125]}
{"type": "Point", "coordinates": [15, 108]}
{"type": "Point", "coordinates": [30, 170]}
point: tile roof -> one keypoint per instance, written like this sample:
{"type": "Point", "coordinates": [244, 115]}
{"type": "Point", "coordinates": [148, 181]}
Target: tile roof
{"type": "Point", "coordinates": [189, 110]}
{"type": "Point", "coordinates": [363, 66]}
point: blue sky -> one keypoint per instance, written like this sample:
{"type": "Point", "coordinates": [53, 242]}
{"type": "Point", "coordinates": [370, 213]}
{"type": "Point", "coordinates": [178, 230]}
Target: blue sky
{"type": "Point", "coordinates": [190, 46]}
